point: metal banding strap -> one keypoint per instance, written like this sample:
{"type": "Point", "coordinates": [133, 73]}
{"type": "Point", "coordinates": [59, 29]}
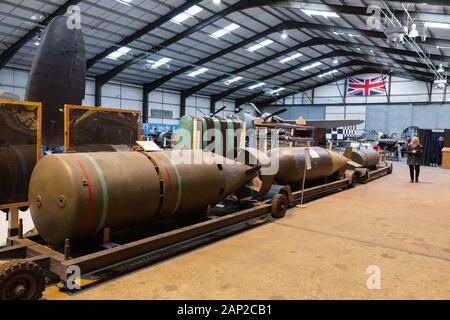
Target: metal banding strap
{"type": "Point", "coordinates": [162, 187]}
{"type": "Point", "coordinates": [91, 202]}
{"type": "Point", "coordinates": [180, 186]}
{"type": "Point", "coordinates": [105, 192]}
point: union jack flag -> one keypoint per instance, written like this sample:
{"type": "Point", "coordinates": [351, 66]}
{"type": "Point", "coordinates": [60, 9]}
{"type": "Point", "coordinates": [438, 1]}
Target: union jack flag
{"type": "Point", "coordinates": [366, 87]}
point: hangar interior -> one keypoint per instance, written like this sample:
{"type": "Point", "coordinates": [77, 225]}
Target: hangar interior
{"type": "Point", "coordinates": [348, 75]}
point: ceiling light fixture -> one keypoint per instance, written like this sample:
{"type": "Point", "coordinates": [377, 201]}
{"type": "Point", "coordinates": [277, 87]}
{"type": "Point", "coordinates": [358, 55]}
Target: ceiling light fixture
{"type": "Point", "coordinates": [260, 45]}
{"type": "Point", "coordinates": [118, 53]}
{"type": "Point", "coordinates": [125, 2]}
{"type": "Point", "coordinates": [276, 92]}
{"type": "Point", "coordinates": [221, 32]}
{"type": "Point", "coordinates": [232, 80]}
{"type": "Point", "coordinates": [258, 85]}
{"type": "Point", "coordinates": [311, 66]}
{"type": "Point", "coordinates": [328, 73]}
{"type": "Point", "coordinates": [413, 33]}
{"type": "Point", "coordinates": [197, 72]}
{"type": "Point", "coordinates": [192, 11]}
{"type": "Point", "coordinates": [284, 35]}
{"type": "Point", "coordinates": [159, 63]}
{"type": "Point", "coordinates": [325, 14]}
{"type": "Point", "coordinates": [290, 58]}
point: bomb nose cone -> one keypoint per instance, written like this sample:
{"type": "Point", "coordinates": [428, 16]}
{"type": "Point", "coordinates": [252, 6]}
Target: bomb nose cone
{"type": "Point", "coordinates": [338, 161]}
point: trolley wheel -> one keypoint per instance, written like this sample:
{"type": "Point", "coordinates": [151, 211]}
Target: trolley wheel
{"type": "Point", "coordinates": [21, 280]}
{"type": "Point", "coordinates": [365, 177]}
{"type": "Point", "coordinates": [354, 180]}
{"type": "Point", "coordinates": [391, 168]}
{"type": "Point", "coordinates": [279, 205]}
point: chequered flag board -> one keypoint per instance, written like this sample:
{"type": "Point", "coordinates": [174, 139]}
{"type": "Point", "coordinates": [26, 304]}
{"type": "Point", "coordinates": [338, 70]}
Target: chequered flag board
{"type": "Point", "coordinates": [347, 133]}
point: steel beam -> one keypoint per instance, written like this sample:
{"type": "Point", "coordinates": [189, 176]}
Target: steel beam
{"type": "Point", "coordinates": [288, 25]}
{"type": "Point", "coordinates": [157, 83]}
{"type": "Point", "coordinates": [412, 73]}
{"type": "Point", "coordinates": [337, 53]}
{"type": "Point", "coordinates": [141, 32]}
{"type": "Point", "coordinates": [309, 43]}
{"type": "Point", "coordinates": [98, 94]}
{"type": "Point", "coordinates": [243, 4]}
{"type": "Point", "coordinates": [145, 97]}
{"type": "Point", "coordinates": [367, 69]}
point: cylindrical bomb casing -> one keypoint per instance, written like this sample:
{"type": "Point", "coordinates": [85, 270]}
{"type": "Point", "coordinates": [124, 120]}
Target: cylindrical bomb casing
{"type": "Point", "coordinates": [367, 158]}
{"type": "Point", "coordinates": [291, 164]}
{"type": "Point", "coordinates": [75, 196]}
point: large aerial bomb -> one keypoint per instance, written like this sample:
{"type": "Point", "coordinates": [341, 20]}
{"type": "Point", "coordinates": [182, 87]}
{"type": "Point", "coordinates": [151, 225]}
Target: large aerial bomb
{"type": "Point", "coordinates": [57, 77]}
{"type": "Point", "coordinates": [76, 195]}
{"type": "Point", "coordinates": [291, 164]}
{"type": "Point", "coordinates": [368, 158]}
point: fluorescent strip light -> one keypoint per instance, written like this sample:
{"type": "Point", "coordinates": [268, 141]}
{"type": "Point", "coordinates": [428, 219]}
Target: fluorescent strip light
{"type": "Point", "coordinates": [221, 32]}
{"type": "Point", "coordinates": [125, 2]}
{"type": "Point", "coordinates": [290, 58]}
{"type": "Point", "coordinates": [327, 73]}
{"type": "Point", "coordinates": [325, 14]}
{"type": "Point", "coordinates": [197, 72]}
{"type": "Point", "coordinates": [315, 64]}
{"type": "Point", "coordinates": [258, 85]}
{"type": "Point", "coordinates": [118, 53]}
{"type": "Point", "coordinates": [160, 62]}
{"type": "Point", "coordinates": [437, 25]}
{"type": "Point", "coordinates": [192, 11]}
{"type": "Point", "coordinates": [260, 45]}
{"type": "Point", "coordinates": [276, 91]}
{"type": "Point", "coordinates": [232, 80]}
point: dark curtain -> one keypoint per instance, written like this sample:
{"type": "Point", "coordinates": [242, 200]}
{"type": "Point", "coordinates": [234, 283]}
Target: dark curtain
{"type": "Point", "coordinates": [431, 148]}
{"type": "Point", "coordinates": [425, 136]}
{"type": "Point", "coordinates": [447, 138]}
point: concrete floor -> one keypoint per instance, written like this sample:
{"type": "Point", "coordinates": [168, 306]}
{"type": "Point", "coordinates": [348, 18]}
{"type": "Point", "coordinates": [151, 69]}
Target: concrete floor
{"type": "Point", "coordinates": [321, 252]}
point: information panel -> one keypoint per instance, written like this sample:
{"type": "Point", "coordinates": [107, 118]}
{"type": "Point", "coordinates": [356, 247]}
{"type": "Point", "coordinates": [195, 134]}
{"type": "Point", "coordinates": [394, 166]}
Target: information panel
{"type": "Point", "coordinates": [20, 148]}
{"type": "Point", "coordinates": [94, 129]}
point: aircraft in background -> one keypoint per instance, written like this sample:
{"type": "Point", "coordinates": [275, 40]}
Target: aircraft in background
{"type": "Point", "coordinates": [249, 113]}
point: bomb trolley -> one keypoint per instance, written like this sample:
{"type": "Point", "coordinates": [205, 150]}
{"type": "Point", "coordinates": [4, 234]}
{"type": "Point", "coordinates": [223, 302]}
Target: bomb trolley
{"type": "Point", "coordinates": [30, 260]}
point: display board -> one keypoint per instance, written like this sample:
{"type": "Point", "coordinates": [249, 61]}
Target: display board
{"type": "Point", "coordinates": [20, 148]}
{"type": "Point", "coordinates": [94, 129]}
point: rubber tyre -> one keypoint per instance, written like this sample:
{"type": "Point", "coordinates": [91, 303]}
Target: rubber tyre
{"type": "Point", "coordinates": [279, 206]}
{"type": "Point", "coordinates": [365, 178]}
{"type": "Point", "coordinates": [26, 277]}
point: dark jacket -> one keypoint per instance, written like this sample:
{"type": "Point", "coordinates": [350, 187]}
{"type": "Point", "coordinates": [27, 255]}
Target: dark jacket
{"type": "Point", "coordinates": [414, 158]}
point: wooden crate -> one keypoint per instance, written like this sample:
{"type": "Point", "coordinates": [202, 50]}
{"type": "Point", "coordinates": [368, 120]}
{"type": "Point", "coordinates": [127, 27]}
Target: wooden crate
{"type": "Point", "coordinates": [446, 158]}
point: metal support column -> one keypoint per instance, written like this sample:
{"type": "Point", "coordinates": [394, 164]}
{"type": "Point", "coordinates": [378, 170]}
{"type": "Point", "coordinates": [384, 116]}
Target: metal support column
{"type": "Point", "coordinates": [182, 105]}
{"type": "Point", "coordinates": [145, 106]}
{"type": "Point", "coordinates": [98, 93]}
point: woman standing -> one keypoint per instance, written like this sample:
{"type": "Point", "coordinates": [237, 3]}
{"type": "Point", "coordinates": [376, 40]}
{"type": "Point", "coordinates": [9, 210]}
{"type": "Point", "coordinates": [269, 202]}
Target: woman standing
{"type": "Point", "coordinates": [414, 151]}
